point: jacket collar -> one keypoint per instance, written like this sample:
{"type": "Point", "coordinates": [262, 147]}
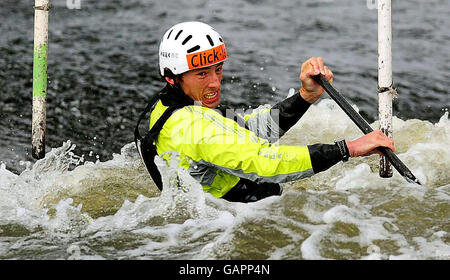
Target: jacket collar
{"type": "Point", "coordinates": [173, 95]}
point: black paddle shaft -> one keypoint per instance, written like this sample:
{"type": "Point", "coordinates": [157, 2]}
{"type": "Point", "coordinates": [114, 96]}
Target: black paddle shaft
{"type": "Point", "coordinates": [365, 127]}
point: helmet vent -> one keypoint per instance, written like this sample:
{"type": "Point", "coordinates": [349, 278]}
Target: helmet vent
{"type": "Point", "coordinates": [210, 40]}
{"type": "Point", "coordinates": [193, 49]}
{"type": "Point", "coordinates": [169, 33]}
{"type": "Point", "coordinates": [186, 40]}
{"type": "Point", "coordinates": [179, 32]}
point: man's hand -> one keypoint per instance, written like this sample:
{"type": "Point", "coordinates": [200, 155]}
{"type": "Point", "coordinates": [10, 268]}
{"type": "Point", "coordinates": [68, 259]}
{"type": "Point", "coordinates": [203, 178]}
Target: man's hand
{"type": "Point", "coordinates": [367, 144]}
{"type": "Point", "coordinates": [311, 91]}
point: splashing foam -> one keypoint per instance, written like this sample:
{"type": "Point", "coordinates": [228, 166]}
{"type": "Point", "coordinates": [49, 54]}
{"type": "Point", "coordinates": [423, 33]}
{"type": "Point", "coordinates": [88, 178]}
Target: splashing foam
{"type": "Point", "coordinates": [182, 195]}
{"type": "Point", "coordinates": [181, 199]}
{"type": "Point", "coordinates": [120, 197]}
{"type": "Point", "coordinates": [423, 147]}
{"type": "Point", "coordinates": [51, 197]}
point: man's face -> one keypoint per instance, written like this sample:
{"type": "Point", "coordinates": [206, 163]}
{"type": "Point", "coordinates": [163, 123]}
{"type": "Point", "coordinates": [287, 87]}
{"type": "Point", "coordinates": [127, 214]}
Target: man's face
{"type": "Point", "coordinates": [203, 85]}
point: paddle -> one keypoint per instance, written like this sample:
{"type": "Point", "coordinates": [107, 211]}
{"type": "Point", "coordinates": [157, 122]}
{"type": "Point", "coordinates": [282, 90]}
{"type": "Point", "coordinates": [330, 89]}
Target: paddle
{"type": "Point", "coordinates": [365, 127]}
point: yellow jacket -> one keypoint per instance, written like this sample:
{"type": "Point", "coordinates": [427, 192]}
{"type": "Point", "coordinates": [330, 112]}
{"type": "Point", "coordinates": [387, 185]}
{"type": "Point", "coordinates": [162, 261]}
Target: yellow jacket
{"type": "Point", "coordinates": [217, 151]}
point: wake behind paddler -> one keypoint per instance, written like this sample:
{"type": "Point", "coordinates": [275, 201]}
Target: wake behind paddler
{"type": "Point", "coordinates": [233, 155]}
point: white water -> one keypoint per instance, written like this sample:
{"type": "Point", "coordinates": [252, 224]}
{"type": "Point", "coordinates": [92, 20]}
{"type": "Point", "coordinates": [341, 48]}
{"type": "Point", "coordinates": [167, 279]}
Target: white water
{"type": "Point", "coordinates": [64, 208]}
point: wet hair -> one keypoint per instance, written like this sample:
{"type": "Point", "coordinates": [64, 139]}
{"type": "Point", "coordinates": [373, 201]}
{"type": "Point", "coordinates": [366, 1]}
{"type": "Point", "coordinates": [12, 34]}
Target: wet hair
{"type": "Point", "coordinates": [169, 74]}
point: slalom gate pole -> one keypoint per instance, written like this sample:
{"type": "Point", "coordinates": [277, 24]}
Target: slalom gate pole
{"type": "Point", "coordinates": [41, 9]}
{"type": "Point", "coordinates": [385, 90]}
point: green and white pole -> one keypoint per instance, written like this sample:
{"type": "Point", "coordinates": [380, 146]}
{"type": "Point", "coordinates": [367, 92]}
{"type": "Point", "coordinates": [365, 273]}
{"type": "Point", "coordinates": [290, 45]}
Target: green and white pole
{"type": "Point", "coordinates": [41, 9]}
{"type": "Point", "coordinates": [385, 90]}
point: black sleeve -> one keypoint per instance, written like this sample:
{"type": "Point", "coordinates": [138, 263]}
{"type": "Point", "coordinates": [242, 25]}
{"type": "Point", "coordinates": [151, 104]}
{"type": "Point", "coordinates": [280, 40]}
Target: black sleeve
{"type": "Point", "coordinates": [323, 156]}
{"type": "Point", "coordinates": [291, 110]}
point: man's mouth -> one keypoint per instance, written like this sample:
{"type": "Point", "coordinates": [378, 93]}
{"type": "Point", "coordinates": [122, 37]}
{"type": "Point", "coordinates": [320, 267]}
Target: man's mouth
{"type": "Point", "coordinates": [211, 97]}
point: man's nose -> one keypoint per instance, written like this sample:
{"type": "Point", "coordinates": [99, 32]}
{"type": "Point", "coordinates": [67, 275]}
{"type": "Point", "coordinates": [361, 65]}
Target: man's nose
{"type": "Point", "coordinates": [214, 81]}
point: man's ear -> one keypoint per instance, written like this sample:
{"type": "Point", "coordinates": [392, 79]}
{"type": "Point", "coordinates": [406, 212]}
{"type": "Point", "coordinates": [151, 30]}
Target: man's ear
{"type": "Point", "coordinates": [170, 80]}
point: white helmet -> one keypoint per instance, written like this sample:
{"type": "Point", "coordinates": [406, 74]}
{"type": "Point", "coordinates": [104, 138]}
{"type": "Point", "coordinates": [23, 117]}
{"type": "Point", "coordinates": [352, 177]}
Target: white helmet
{"type": "Point", "coordinates": [190, 45]}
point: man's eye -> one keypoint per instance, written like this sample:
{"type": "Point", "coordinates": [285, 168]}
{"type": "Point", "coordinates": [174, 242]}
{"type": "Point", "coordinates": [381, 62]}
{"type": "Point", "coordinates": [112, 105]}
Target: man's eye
{"type": "Point", "coordinates": [201, 74]}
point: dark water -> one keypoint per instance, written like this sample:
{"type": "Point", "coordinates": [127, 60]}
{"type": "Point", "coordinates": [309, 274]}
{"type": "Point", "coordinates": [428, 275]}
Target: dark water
{"type": "Point", "coordinates": [103, 61]}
